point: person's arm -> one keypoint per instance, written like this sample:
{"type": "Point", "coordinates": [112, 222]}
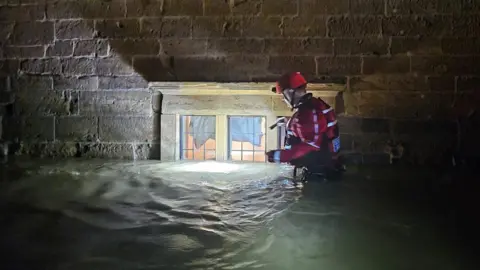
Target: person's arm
{"type": "Point", "coordinates": [287, 155]}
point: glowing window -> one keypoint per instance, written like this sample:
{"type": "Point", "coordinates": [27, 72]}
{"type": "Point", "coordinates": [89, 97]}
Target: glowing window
{"type": "Point", "coordinates": [246, 138]}
{"type": "Point", "coordinates": [197, 137]}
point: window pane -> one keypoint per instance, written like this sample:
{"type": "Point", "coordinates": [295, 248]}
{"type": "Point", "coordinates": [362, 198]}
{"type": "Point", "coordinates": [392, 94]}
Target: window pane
{"type": "Point", "coordinates": [246, 135]}
{"type": "Point", "coordinates": [210, 155]}
{"type": "Point", "coordinates": [259, 156]}
{"type": "Point", "coordinates": [247, 146]}
{"type": "Point", "coordinates": [247, 156]}
{"type": "Point", "coordinates": [236, 155]}
{"type": "Point", "coordinates": [198, 137]}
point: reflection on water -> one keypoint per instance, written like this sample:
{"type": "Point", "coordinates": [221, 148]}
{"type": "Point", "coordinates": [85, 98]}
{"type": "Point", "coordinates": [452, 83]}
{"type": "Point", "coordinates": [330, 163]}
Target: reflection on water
{"type": "Point", "coordinates": [149, 215]}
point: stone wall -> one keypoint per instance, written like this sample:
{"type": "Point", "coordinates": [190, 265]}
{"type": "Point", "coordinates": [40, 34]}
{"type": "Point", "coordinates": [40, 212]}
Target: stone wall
{"type": "Point", "coordinates": [74, 74]}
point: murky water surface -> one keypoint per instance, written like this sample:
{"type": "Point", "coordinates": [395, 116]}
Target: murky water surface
{"type": "Point", "coordinates": [149, 215]}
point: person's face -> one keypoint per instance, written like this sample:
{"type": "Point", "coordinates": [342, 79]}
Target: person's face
{"type": "Point", "coordinates": [289, 97]}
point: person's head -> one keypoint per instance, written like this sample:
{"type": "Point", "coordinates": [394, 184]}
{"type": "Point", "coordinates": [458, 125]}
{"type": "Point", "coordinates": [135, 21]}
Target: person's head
{"type": "Point", "coordinates": [293, 87]}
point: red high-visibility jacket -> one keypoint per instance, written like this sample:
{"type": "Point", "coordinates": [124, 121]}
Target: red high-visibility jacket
{"type": "Point", "coordinates": [314, 123]}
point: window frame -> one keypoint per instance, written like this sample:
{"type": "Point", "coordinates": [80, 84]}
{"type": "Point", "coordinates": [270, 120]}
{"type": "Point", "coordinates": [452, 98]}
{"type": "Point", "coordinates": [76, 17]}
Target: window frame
{"type": "Point", "coordinates": [229, 146]}
{"type": "Point", "coordinates": [183, 136]}
{"type": "Point", "coordinates": [222, 152]}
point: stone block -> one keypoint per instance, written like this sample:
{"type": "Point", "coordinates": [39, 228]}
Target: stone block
{"type": "Point", "coordinates": [229, 45]}
{"type": "Point", "coordinates": [280, 7]}
{"type": "Point", "coordinates": [282, 64]}
{"type": "Point", "coordinates": [460, 46]}
{"type": "Point", "coordinates": [78, 66]}
{"type": "Point", "coordinates": [183, 8]}
{"type": "Point", "coordinates": [32, 33]}
{"type": "Point", "coordinates": [353, 158]}
{"type": "Point", "coordinates": [41, 66]}
{"type": "Point", "coordinates": [113, 66]}
{"type": "Point", "coordinates": [217, 8]}
{"type": "Point", "coordinates": [167, 27]}
{"type": "Point", "coordinates": [135, 46]}
{"type": "Point", "coordinates": [361, 46]}
{"type": "Point", "coordinates": [175, 47]}
{"type": "Point", "coordinates": [4, 84]}
{"type": "Point", "coordinates": [246, 103]}
{"type": "Point", "coordinates": [250, 8]}
{"type": "Point", "coordinates": [355, 26]}
{"type": "Point", "coordinates": [108, 150]}
{"type": "Point", "coordinates": [297, 46]}
{"type": "Point", "coordinates": [6, 97]}
{"type": "Point", "coordinates": [93, 47]}
{"type": "Point", "coordinates": [464, 25]}
{"type": "Point", "coordinates": [424, 26]}
{"type": "Point", "coordinates": [441, 83]}
{"type": "Point", "coordinates": [73, 29]}
{"type": "Point", "coordinates": [425, 127]}
{"type": "Point", "coordinates": [339, 65]}
{"type": "Point", "coordinates": [32, 82]}
{"type": "Point", "coordinates": [60, 48]}
{"type": "Point", "coordinates": [346, 142]}
{"type": "Point", "coordinates": [211, 27]}
{"type": "Point", "coordinates": [422, 7]}
{"type": "Point", "coordinates": [156, 8]}
{"type": "Point", "coordinates": [22, 52]}
{"type": "Point", "coordinates": [445, 65]}
{"type": "Point", "coordinates": [388, 82]}
{"type": "Point", "coordinates": [183, 104]}
{"type": "Point", "coordinates": [122, 28]}
{"type": "Point", "coordinates": [8, 67]}
{"type": "Point", "coordinates": [376, 159]}
{"type": "Point", "coordinates": [301, 26]}
{"type": "Point", "coordinates": [40, 102]}
{"type": "Point", "coordinates": [414, 105]}
{"type": "Point", "coordinates": [367, 7]}
{"type": "Point", "coordinates": [349, 125]}
{"type": "Point", "coordinates": [134, 103]}
{"type": "Point", "coordinates": [154, 68]}
{"type": "Point", "coordinates": [416, 46]}
{"type": "Point", "coordinates": [76, 128]}
{"type": "Point", "coordinates": [386, 65]}
{"type": "Point", "coordinates": [260, 27]}
{"type": "Point", "coordinates": [31, 128]}
{"type": "Point", "coordinates": [324, 7]}
{"type": "Point", "coordinates": [24, 13]}
{"type": "Point", "coordinates": [375, 125]}
{"type": "Point", "coordinates": [140, 8]}
{"type": "Point", "coordinates": [370, 144]}
{"type": "Point", "coordinates": [122, 82]}
{"type": "Point", "coordinates": [48, 150]}
{"type": "Point", "coordinates": [468, 83]}
{"type": "Point", "coordinates": [85, 9]}
{"type": "Point", "coordinates": [168, 143]}
{"type": "Point", "coordinates": [127, 129]}
{"type": "Point", "coordinates": [75, 83]}
{"type": "Point", "coordinates": [6, 30]}
{"type": "Point", "coordinates": [234, 67]}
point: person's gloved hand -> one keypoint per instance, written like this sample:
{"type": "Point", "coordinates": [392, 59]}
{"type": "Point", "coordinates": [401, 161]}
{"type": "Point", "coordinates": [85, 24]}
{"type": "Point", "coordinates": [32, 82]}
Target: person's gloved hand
{"type": "Point", "coordinates": [269, 155]}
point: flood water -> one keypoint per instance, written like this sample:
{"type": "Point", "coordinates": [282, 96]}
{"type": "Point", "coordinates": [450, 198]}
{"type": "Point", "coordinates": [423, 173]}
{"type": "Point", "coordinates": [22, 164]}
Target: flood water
{"type": "Point", "coordinates": [106, 215]}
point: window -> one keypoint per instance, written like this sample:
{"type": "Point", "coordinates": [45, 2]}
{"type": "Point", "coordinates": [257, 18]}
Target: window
{"type": "Point", "coordinates": [246, 138]}
{"type": "Point", "coordinates": [197, 137]}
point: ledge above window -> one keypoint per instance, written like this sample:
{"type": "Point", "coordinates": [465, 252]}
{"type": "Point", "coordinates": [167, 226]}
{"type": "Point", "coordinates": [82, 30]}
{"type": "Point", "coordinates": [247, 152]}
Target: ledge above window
{"type": "Point", "coordinates": [210, 96]}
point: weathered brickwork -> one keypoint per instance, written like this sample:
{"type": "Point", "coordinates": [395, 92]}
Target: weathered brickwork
{"type": "Point", "coordinates": [73, 73]}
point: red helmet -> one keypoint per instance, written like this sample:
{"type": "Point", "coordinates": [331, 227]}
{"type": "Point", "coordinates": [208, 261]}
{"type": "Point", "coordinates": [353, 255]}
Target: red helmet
{"type": "Point", "coordinates": [292, 80]}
